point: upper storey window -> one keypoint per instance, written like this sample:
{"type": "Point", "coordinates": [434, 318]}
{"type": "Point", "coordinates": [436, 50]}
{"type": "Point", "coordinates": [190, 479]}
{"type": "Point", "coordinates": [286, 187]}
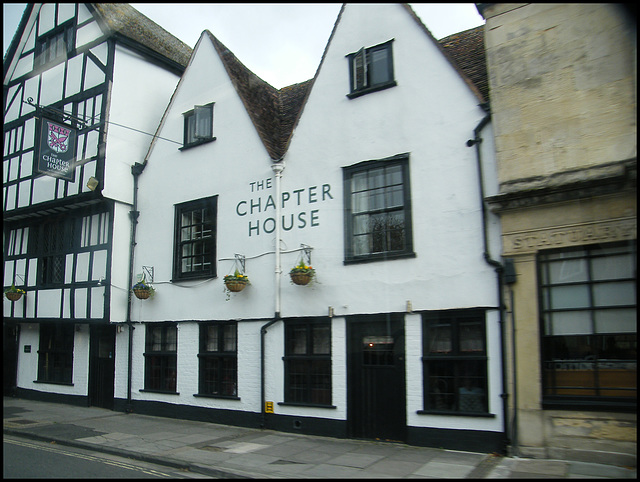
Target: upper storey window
{"type": "Point", "coordinates": [198, 125]}
{"type": "Point", "coordinates": [371, 69]}
{"type": "Point", "coordinates": [55, 44]}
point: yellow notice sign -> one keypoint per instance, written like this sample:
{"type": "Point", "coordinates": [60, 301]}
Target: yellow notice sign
{"type": "Point", "coordinates": [268, 407]}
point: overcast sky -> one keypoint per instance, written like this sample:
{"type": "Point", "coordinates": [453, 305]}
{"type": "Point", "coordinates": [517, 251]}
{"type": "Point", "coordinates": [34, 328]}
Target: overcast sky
{"type": "Point", "coordinates": [281, 43]}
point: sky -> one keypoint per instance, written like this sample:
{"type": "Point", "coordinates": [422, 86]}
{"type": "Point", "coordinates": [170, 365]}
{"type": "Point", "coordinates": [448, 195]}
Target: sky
{"type": "Point", "coordinates": [281, 43]}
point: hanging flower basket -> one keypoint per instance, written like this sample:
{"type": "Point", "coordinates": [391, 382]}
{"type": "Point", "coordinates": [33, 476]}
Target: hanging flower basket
{"type": "Point", "coordinates": [301, 274]}
{"type": "Point", "coordinates": [13, 293]}
{"type": "Point", "coordinates": [142, 290]}
{"type": "Point", "coordinates": [236, 282]}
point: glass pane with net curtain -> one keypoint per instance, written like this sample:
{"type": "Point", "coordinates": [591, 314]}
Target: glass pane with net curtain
{"type": "Point", "coordinates": [229, 337]}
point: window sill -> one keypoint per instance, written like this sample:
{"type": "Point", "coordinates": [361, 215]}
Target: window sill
{"type": "Point", "coordinates": [224, 397]}
{"type": "Point", "coordinates": [196, 144]}
{"type": "Point", "coordinates": [369, 90]}
{"type": "Point", "coordinates": [167, 392]}
{"type": "Point", "coordinates": [300, 404]}
{"type": "Point", "coordinates": [66, 384]}
{"type": "Point", "coordinates": [456, 414]}
{"type": "Point", "coordinates": [379, 257]}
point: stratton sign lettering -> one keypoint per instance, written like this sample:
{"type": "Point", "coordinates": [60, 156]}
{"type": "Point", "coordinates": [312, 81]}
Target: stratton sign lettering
{"type": "Point", "coordinates": [298, 198]}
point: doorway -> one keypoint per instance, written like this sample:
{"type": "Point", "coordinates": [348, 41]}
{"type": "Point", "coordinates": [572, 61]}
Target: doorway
{"type": "Point", "coordinates": [102, 366]}
{"type": "Point", "coordinates": [376, 396]}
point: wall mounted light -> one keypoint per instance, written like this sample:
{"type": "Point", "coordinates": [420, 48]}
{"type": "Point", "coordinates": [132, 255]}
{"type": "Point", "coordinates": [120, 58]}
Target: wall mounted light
{"type": "Point", "coordinates": [331, 312]}
{"type": "Point", "coordinates": [409, 307]}
{"type": "Point", "coordinates": [92, 183]}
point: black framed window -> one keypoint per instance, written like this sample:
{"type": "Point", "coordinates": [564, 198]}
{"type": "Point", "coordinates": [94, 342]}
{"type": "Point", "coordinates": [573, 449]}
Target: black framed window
{"type": "Point", "coordinates": [160, 357]}
{"type": "Point", "coordinates": [55, 44]}
{"type": "Point", "coordinates": [378, 210]}
{"type": "Point", "coordinates": [198, 125]}
{"type": "Point", "coordinates": [195, 239]}
{"type": "Point", "coordinates": [55, 353]}
{"type": "Point", "coordinates": [455, 362]}
{"type": "Point", "coordinates": [308, 362]}
{"type": "Point", "coordinates": [51, 242]}
{"type": "Point", "coordinates": [371, 69]}
{"type": "Point", "coordinates": [218, 359]}
{"type": "Point", "coordinates": [588, 317]}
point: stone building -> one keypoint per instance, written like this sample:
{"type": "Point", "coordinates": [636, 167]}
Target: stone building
{"type": "Point", "coordinates": [563, 86]}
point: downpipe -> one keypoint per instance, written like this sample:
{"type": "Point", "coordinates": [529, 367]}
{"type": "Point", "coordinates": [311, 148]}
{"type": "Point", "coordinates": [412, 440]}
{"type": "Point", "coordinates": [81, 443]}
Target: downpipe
{"type": "Point", "coordinates": [499, 269]}
{"type": "Point", "coordinates": [277, 167]}
{"type": "Point", "coordinates": [136, 170]}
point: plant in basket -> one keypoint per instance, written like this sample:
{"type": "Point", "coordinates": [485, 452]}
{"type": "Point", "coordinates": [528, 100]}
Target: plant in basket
{"type": "Point", "coordinates": [13, 293]}
{"type": "Point", "coordinates": [235, 282]}
{"type": "Point", "coordinates": [143, 290]}
{"type": "Point", "coordinates": [302, 274]}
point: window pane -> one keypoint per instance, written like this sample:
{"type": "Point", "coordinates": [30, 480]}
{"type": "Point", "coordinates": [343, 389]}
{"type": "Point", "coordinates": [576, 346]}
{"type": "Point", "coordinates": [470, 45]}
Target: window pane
{"type": "Point", "coordinates": [570, 297]}
{"type": "Point", "coordinates": [441, 383]}
{"type": "Point", "coordinates": [321, 340]}
{"type": "Point", "coordinates": [362, 245]}
{"type": "Point", "coordinates": [616, 321]}
{"type": "Point", "coordinates": [568, 271]}
{"type": "Point", "coordinates": [571, 323]}
{"type": "Point", "coordinates": [614, 294]}
{"type": "Point", "coordinates": [471, 337]}
{"type": "Point", "coordinates": [203, 121]}
{"type": "Point", "coordinates": [212, 338]}
{"type": "Point", "coordinates": [230, 338]}
{"type": "Point", "coordinates": [379, 66]}
{"type": "Point", "coordinates": [439, 339]}
{"type": "Point", "coordinates": [171, 338]}
{"type": "Point", "coordinates": [612, 267]}
{"type": "Point", "coordinates": [360, 202]}
{"type": "Point", "coordinates": [298, 340]}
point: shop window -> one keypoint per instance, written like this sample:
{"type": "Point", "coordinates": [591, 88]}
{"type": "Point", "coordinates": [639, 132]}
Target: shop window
{"type": "Point", "coordinates": [588, 316]}
{"type": "Point", "coordinates": [195, 239]}
{"type": "Point", "coordinates": [218, 360]}
{"type": "Point", "coordinates": [308, 362]}
{"type": "Point", "coordinates": [455, 362]}
{"type": "Point", "coordinates": [160, 356]}
{"type": "Point", "coordinates": [198, 125]}
{"type": "Point", "coordinates": [55, 353]}
{"type": "Point", "coordinates": [371, 69]}
{"type": "Point", "coordinates": [378, 210]}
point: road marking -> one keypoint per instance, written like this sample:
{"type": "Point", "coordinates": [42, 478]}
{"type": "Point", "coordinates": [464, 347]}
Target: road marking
{"type": "Point", "coordinates": [87, 457]}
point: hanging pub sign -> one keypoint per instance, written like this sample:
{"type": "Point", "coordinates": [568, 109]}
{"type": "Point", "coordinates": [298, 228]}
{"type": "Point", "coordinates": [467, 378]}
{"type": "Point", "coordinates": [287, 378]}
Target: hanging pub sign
{"type": "Point", "coordinates": [57, 150]}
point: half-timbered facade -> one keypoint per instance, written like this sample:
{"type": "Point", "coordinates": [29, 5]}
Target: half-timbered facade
{"type": "Point", "coordinates": [371, 172]}
{"type": "Point", "coordinates": [78, 100]}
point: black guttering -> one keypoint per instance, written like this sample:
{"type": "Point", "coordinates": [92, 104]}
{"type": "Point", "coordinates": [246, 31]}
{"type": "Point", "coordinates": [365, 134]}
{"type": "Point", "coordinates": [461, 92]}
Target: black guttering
{"type": "Point", "coordinates": [499, 268]}
{"type": "Point", "coordinates": [136, 170]}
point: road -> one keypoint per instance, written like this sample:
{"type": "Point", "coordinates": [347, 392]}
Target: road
{"type": "Point", "coordinates": [26, 459]}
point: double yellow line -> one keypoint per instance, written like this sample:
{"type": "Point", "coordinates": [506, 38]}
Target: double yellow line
{"type": "Point", "coordinates": [86, 457]}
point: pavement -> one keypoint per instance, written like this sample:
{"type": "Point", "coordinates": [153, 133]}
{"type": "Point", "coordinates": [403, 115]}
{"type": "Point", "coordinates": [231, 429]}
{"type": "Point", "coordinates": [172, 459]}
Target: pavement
{"type": "Point", "coordinates": [223, 451]}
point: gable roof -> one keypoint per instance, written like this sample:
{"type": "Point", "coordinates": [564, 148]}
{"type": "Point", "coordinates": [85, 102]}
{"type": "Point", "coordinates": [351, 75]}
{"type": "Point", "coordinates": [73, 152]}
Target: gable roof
{"type": "Point", "coordinates": [130, 27]}
{"type": "Point", "coordinates": [133, 27]}
{"type": "Point", "coordinates": [275, 112]}
{"type": "Point", "coordinates": [467, 50]}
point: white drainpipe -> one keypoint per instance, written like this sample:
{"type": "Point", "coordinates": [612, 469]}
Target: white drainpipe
{"type": "Point", "coordinates": [278, 167]}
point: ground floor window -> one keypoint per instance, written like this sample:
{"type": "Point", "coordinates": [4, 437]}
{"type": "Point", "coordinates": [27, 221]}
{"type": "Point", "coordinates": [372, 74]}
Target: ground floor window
{"type": "Point", "coordinates": [161, 353]}
{"type": "Point", "coordinates": [455, 362]}
{"type": "Point", "coordinates": [588, 317]}
{"type": "Point", "coordinates": [308, 362]}
{"type": "Point", "coordinates": [218, 359]}
{"type": "Point", "coordinates": [55, 353]}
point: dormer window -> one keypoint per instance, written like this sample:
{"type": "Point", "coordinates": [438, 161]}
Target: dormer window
{"type": "Point", "coordinates": [371, 69]}
{"type": "Point", "coordinates": [198, 125]}
{"type": "Point", "coordinates": [55, 44]}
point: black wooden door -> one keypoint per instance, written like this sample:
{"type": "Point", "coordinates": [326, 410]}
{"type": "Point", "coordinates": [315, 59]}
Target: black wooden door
{"type": "Point", "coordinates": [101, 365]}
{"type": "Point", "coordinates": [9, 358]}
{"type": "Point", "coordinates": [376, 378]}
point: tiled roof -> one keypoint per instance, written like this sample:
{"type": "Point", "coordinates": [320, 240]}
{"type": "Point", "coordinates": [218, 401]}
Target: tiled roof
{"type": "Point", "coordinates": [468, 52]}
{"type": "Point", "coordinates": [125, 20]}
